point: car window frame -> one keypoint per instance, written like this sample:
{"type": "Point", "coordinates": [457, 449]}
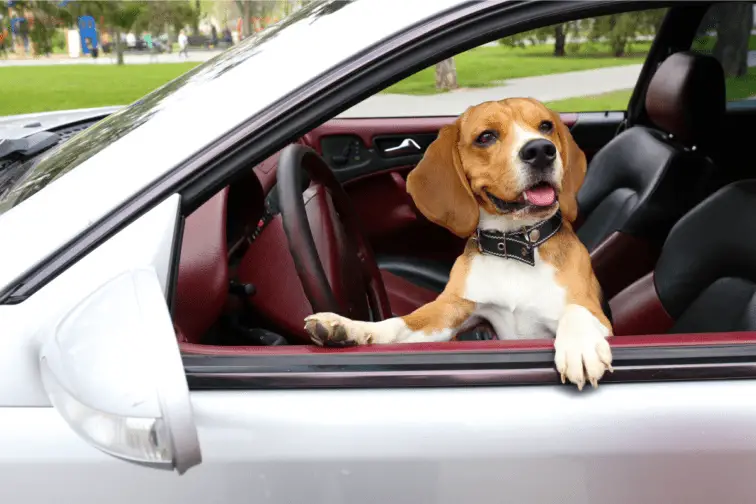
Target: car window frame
{"type": "Point", "coordinates": [493, 366]}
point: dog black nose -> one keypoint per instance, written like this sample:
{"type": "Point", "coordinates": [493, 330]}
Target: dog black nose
{"type": "Point", "coordinates": [538, 153]}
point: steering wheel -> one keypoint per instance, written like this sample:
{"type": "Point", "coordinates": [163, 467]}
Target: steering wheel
{"type": "Point", "coordinates": [334, 261]}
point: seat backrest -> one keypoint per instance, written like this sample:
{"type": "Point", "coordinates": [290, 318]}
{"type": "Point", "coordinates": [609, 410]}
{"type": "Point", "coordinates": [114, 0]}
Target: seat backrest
{"type": "Point", "coordinates": [706, 274]}
{"type": "Point", "coordinates": [632, 182]}
{"type": "Point", "coordinates": [705, 279]}
{"type": "Point", "coordinates": [647, 178]}
{"type": "Point", "coordinates": [203, 278]}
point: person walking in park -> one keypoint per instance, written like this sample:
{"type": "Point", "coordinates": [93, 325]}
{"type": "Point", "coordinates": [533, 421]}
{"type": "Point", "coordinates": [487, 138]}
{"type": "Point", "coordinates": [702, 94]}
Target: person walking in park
{"type": "Point", "coordinates": [183, 41]}
{"type": "Point", "coordinates": [151, 49]}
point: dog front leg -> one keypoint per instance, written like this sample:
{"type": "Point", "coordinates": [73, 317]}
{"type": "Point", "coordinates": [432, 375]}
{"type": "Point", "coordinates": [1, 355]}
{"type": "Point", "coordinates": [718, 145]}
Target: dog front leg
{"type": "Point", "coordinates": [433, 322]}
{"type": "Point", "coordinates": [582, 351]}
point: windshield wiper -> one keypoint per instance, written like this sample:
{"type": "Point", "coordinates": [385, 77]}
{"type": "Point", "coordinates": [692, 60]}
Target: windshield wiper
{"type": "Point", "coordinates": [28, 146]}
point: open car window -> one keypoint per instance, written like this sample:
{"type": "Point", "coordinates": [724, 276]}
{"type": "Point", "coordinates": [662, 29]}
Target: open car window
{"type": "Point", "coordinates": [666, 305]}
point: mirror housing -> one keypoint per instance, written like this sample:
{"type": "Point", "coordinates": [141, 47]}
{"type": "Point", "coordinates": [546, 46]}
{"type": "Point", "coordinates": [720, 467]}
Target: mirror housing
{"type": "Point", "coordinates": [112, 368]}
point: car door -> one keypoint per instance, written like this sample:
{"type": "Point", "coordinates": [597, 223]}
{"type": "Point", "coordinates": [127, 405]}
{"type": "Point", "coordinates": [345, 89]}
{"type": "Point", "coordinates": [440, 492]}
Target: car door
{"type": "Point", "coordinates": [474, 421]}
{"type": "Point", "coordinates": [482, 426]}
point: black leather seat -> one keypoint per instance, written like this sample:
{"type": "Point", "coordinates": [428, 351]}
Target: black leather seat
{"type": "Point", "coordinates": [432, 275]}
{"type": "Point", "coordinates": [646, 178]}
{"type": "Point", "coordinates": [705, 279]}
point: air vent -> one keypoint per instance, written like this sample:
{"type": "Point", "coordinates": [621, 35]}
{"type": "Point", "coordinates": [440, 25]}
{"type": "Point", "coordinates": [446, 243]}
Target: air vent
{"type": "Point", "coordinates": [69, 131]}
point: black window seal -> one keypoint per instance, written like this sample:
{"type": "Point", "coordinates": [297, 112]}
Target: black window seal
{"type": "Point", "coordinates": [463, 27]}
{"type": "Point", "coordinates": [496, 367]}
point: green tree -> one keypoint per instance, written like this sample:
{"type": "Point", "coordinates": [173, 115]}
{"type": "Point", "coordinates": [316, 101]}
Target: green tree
{"type": "Point", "coordinates": [40, 25]}
{"type": "Point", "coordinates": [620, 31]}
{"type": "Point", "coordinates": [120, 18]}
{"type": "Point", "coordinates": [558, 33]}
{"type": "Point", "coordinates": [166, 16]}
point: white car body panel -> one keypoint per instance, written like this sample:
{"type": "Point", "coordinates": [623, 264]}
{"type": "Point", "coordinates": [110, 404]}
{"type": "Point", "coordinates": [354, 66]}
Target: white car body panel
{"type": "Point", "coordinates": [377, 446]}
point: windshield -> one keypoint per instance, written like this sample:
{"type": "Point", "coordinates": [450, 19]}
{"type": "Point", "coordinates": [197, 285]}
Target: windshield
{"type": "Point", "coordinates": [20, 180]}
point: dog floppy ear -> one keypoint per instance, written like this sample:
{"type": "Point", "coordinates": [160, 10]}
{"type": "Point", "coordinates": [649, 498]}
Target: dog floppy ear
{"type": "Point", "coordinates": [574, 163]}
{"type": "Point", "coordinates": [439, 187]}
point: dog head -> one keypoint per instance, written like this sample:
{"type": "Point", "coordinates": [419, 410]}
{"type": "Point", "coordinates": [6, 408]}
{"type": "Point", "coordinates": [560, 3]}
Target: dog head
{"type": "Point", "coordinates": [513, 159]}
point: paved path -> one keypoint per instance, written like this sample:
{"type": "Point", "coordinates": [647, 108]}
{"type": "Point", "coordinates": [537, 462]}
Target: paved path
{"type": "Point", "coordinates": [544, 88]}
{"type": "Point", "coordinates": [109, 59]}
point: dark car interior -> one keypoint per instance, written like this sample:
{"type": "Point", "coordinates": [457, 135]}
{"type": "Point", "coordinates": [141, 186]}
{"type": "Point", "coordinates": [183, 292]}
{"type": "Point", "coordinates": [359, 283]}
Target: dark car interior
{"type": "Point", "coordinates": [660, 212]}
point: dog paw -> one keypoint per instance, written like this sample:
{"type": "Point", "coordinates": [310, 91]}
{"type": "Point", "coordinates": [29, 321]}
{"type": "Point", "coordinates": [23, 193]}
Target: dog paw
{"type": "Point", "coordinates": [582, 352]}
{"type": "Point", "coordinates": [330, 329]}
{"type": "Point", "coordinates": [583, 359]}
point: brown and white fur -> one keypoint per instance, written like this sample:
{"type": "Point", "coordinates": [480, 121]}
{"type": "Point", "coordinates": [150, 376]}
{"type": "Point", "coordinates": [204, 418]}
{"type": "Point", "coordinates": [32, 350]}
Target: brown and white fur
{"type": "Point", "coordinates": [473, 159]}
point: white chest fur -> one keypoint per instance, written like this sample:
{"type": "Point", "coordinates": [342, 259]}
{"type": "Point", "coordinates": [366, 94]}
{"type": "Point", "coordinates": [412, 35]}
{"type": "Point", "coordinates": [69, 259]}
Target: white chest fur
{"type": "Point", "coordinates": [520, 301]}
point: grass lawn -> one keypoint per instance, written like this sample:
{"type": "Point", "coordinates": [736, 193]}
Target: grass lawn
{"type": "Point", "coordinates": [614, 100]}
{"type": "Point", "coordinates": [487, 66]}
{"type": "Point", "coordinates": [59, 87]}
{"type": "Point", "coordinates": [738, 88]}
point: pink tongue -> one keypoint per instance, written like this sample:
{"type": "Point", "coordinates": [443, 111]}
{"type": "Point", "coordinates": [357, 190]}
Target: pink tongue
{"type": "Point", "coordinates": [541, 196]}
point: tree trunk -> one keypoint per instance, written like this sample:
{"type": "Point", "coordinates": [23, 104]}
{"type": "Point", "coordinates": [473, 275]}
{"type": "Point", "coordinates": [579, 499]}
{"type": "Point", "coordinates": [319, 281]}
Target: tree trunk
{"type": "Point", "coordinates": [169, 42]}
{"type": "Point", "coordinates": [195, 21]}
{"type": "Point", "coordinates": [118, 47]}
{"type": "Point", "coordinates": [446, 74]}
{"type": "Point", "coordinates": [619, 48]}
{"type": "Point", "coordinates": [247, 18]}
{"type": "Point", "coordinates": [560, 38]}
{"type": "Point", "coordinates": [733, 34]}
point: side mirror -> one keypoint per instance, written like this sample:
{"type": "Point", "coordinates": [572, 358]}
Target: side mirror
{"type": "Point", "coordinates": [113, 370]}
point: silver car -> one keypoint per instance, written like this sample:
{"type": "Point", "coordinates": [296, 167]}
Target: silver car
{"type": "Point", "coordinates": [125, 231]}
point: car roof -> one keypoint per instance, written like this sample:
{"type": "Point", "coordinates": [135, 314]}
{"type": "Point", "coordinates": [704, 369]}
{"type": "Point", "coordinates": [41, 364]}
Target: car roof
{"type": "Point", "coordinates": [169, 126]}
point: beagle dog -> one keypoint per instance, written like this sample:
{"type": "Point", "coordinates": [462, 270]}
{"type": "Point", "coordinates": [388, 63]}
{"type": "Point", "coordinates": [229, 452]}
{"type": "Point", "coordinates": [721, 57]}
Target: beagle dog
{"type": "Point", "coordinates": [504, 175]}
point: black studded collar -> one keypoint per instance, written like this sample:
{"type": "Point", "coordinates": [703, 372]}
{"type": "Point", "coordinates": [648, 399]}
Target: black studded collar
{"type": "Point", "coordinates": [521, 244]}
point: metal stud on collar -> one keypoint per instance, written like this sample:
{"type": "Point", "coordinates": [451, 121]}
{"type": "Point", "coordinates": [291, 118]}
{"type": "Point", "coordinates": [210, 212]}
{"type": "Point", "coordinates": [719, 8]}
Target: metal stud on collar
{"type": "Point", "coordinates": [534, 235]}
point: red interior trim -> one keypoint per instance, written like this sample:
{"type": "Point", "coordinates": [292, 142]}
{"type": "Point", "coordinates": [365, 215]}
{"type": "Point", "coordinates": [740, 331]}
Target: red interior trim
{"type": "Point", "coordinates": [404, 296]}
{"type": "Point", "coordinates": [638, 310]}
{"type": "Point", "coordinates": [367, 128]}
{"type": "Point", "coordinates": [636, 255]}
{"type": "Point", "coordinates": [675, 340]}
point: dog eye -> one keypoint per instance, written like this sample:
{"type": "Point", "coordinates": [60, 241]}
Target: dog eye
{"type": "Point", "coordinates": [546, 127]}
{"type": "Point", "coordinates": [486, 138]}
